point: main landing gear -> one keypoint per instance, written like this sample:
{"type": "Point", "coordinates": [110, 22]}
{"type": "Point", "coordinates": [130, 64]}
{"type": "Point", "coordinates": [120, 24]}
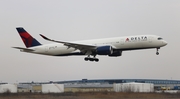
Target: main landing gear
{"type": "Point", "coordinates": [157, 53]}
{"type": "Point", "coordinates": [91, 59]}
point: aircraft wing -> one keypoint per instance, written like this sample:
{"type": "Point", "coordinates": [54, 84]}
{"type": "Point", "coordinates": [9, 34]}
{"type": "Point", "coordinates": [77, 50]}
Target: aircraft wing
{"type": "Point", "coordinates": [25, 49]}
{"type": "Point", "coordinates": [82, 47]}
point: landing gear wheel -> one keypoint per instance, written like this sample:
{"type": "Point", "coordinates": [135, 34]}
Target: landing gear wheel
{"type": "Point", "coordinates": [91, 59]}
{"type": "Point", "coordinates": [86, 58]}
{"type": "Point", "coordinates": [96, 59]}
{"type": "Point", "coordinates": [157, 53]}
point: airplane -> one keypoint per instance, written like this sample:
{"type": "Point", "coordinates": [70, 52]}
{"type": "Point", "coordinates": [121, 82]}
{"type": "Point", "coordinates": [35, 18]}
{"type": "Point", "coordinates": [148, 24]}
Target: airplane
{"type": "Point", "coordinates": [112, 47]}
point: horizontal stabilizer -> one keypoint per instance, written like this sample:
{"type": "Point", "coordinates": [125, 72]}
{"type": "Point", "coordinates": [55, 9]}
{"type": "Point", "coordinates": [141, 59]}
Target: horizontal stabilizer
{"type": "Point", "coordinates": [24, 49]}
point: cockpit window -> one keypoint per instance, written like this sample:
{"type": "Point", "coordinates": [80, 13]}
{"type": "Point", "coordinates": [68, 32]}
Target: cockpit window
{"type": "Point", "coordinates": [160, 38]}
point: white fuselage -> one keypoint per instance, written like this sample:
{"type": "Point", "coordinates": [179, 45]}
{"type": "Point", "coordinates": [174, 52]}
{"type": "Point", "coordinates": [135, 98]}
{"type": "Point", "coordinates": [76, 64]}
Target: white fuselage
{"type": "Point", "coordinates": [118, 43]}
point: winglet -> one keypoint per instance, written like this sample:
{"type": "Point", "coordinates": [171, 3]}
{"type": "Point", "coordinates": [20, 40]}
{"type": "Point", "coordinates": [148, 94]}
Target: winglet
{"type": "Point", "coordinates": [44, 37]}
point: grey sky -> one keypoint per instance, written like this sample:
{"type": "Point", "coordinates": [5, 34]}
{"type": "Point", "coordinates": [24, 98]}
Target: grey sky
{"type": "Point", "coordinates": [72, 20]}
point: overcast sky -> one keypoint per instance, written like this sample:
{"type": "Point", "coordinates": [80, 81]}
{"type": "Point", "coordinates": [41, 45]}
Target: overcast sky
{"type": "Point", "coordinates": [73, 20]}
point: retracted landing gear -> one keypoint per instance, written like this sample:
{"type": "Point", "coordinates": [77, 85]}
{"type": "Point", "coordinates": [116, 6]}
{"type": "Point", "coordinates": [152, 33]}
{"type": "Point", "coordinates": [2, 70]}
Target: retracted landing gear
{"type": "Point", "coordinates": [157, 53]}
{"type": "Point", "coordinates": [91, 59]}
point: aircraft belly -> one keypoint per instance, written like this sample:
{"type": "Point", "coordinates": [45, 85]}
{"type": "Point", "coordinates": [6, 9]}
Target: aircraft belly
{"type": "Point", "coordinates": [53, 50]}
{"type": "Point", "coordinates": [62, 50]}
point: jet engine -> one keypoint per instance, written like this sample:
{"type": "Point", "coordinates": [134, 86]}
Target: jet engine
{"type": "Point", "coordinates": [104, 50]}
{"type": "Point", "coordinates": [116, 53]}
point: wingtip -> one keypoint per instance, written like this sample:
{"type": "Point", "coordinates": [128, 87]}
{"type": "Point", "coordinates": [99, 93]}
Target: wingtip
{"type": "Point", "coordinates": [40, 34]}
{"type": "Point", "coordinates": [44, 37]}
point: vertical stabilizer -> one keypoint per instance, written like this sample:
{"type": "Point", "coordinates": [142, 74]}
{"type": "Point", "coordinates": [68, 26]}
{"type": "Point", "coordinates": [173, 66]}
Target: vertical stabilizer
{"type": "Point", "coordinates": [28, 40]}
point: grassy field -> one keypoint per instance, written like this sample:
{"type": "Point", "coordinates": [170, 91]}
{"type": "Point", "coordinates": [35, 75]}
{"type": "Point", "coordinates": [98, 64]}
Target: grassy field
{"type": "Point", "coordinates": [90, 95]}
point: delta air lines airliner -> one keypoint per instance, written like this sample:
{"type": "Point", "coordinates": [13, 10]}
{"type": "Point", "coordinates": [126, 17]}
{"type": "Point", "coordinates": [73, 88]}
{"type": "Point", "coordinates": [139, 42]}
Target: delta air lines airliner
{"type": "Point", "coordinates": [112, 47]}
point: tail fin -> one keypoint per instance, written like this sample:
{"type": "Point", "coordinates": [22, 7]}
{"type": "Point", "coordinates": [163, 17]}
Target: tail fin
{"type": "Point", "coordinates": [28, 40]}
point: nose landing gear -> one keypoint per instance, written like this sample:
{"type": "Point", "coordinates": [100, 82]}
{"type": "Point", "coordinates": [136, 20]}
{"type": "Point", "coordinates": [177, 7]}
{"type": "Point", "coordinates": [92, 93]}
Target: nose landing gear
{"type": "Point", "coordinates": [157, 53]}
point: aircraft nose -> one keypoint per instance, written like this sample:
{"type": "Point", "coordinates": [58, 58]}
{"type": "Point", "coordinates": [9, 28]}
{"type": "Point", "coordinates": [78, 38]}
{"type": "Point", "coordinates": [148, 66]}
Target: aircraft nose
{"type": "Point", "coordinates": [165, 43]}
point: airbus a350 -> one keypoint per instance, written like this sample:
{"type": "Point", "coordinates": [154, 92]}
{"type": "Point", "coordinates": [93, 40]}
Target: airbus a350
{"type": "Point", "coordinates": [112, 47]}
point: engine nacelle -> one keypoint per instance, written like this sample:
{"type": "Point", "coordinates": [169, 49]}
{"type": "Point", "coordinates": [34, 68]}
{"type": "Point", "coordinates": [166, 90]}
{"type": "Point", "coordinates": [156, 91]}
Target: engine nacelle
{"type": "Point", "coordinates": [116, 53]}
{"type": "Point", "coordinates": [104, 50]}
